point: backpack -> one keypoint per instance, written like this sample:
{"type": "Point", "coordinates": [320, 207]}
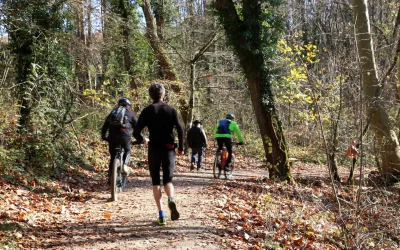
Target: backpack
{"type": "Point", "coordinates": [223, 127]}
{"type": "Point", "coordinates": [117, 116]}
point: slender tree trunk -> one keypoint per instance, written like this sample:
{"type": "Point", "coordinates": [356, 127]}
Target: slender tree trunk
{"type": "Point", "coordinates": [89, 41]}
{"type": "Point", "coordinates": [21, 44]}
{"type": "Point", "coordinates": [80, 34]}
{"type": "Point", "coordinates": [258, 79]}
{"type": "Point", "coordinates": [168, 69]}
{"type": "Point", "coordinates": [387, 140]}
{"type": "Point", "coordinates": [192, 80]}
{"type": "Point", "coordinates": [191, 95]}
{"type": "Point", "coordinates": [105, 53]}
{"type": "Point", "coordinates": [89, 23]}
{"type": "Point", "coordinates": [126, 45]}
{"type": "Point", "coordinates": [159, 13]}
{"type": "Point", "coordinates": [335, 140]}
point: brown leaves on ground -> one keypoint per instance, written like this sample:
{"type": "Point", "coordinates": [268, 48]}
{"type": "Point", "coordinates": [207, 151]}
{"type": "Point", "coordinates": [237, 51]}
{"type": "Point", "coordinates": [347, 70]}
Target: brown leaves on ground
{"type": "Point", "coordinates": [249, 212]}
{"type": "Point", "coordinates": [22, 209]}
{"type": "Point", "coordinates": [257, 213]}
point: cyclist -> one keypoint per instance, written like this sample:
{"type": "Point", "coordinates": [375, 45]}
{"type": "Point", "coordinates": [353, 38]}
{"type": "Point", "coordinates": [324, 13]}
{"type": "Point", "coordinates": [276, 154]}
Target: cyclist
{"type": "Point", "coordinates": [197, 140]}
{"type": "Point", "coordinates": [118, 135]}
{"type": "Point", "coordinates": [222, 133]}
{"type": "Point", "coordinates": [160, 119]}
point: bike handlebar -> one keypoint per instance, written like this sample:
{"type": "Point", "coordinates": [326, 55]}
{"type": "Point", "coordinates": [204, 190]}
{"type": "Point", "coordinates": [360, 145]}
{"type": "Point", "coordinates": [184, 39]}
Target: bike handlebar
{"type": "Point", "coordinates": [238, 143]}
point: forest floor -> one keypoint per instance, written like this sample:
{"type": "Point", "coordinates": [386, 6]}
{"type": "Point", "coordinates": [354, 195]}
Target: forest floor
{"type": "Point", "coordinates": [247, 212]}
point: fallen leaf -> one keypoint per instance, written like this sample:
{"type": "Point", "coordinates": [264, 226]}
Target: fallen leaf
{"type": "Point", "coordinates": [107, 215]}
{"type": "Point", "coordinates": [18, 235]}
{"type": "Point", "coordinates": [21, 217]}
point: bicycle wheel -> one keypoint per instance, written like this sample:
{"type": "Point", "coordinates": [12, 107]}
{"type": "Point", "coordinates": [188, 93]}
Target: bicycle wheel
{"type": "Point", "coordinates": [114, 180]}
{"type": "Point", "coordinates": [217, 164]}
{"type": "Point", "coordinates": [228, 174]}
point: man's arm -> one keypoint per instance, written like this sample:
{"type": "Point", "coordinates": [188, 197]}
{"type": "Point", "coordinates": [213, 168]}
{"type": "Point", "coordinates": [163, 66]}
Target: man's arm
{"type": "Point", "coordinates": [179, 129]}
{"type": "Point", "coordinates": [141, 123]}
{"type": "Point", "coordinates": [104, 128]}
{"type": "Point", "coordinates": [204, 137]}
{"type": "Point", "coordinates": [236, 129]}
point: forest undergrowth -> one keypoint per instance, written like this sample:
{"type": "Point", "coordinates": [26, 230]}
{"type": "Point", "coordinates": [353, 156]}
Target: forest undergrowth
{"type": "Point", "coordinates": [251, 213]}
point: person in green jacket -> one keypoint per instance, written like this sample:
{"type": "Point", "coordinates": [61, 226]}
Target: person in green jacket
{"type": "Point", "coordinates": [223, 132]}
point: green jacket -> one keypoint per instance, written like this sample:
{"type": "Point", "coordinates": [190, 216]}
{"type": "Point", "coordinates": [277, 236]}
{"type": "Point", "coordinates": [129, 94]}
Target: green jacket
{"type": "Point", "coordinates": [225, 128]}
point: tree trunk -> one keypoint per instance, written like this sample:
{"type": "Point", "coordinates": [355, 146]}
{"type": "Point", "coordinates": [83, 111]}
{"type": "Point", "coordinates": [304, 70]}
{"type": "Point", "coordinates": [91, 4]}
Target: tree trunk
{"type": "Point", "coordinates": [166, 65]}
{"type": "Point", "coordinates": [192, 80]}
{"type": "Point", "coordinates": [191, 100]}
{"type": "Point", "coordinates": [387, 140]}
{"type": "Point", "coordinates": [80, 34]}
{"type": "Point", "coordinates": [21, 44]}
{"type": "Point", "coordinates": [159, 13]}
{"type": "Point", "coordinates": [89, 23]}
{"type": "Point", "coordinates": [125, 47]}
{"type": "Point", "coordinates": [105, 53]}
{"type": "Point", "coordinates": [333, 166]}
{"type": "Point", "coordinates": [245, 37]}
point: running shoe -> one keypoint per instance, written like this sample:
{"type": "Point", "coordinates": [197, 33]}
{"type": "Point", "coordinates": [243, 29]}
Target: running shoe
{"type": "Point", "coordinates": [174, 211]}
{"type": "Point", "coordinates": [191, 166]}
{"type": "Point", "coordinates": [162, 221]}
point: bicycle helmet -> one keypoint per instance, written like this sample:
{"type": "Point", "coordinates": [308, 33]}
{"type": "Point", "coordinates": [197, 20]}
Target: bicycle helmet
{"type": "Point", "coordinates": [124, 102]}
{"type": "Point", "coordinates": [230, 117]}
{"type": "Point", "coordinates": [196, 122]}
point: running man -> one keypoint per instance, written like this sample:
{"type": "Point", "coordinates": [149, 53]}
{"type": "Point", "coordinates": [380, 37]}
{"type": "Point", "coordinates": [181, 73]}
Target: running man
{"type": "Point", "coordinates": [160, 119]}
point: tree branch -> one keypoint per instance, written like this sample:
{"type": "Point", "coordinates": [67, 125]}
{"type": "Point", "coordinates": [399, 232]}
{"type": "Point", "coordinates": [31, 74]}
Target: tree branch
{"type": "Point", "coordinates": [204, 48]}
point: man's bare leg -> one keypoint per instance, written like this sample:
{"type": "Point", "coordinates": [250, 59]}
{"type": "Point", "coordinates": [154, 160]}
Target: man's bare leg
{"type": "Point", "coordinates": [169, 189]}
{"type": "Point", "coordinates": [157, 196]}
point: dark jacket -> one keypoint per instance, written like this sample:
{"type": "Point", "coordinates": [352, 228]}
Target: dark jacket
{"type": "Point", "coordinates": [196, 137]}
{"type": "Point", "coordinates": [115, 131]}
{"type": "Point", "coordinates": [160, 119]}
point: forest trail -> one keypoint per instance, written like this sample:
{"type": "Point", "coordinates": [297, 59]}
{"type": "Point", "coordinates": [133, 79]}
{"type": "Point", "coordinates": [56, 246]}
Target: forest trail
{"type": "Point", "coordinates": [76, 212]}
{"type": "Point", "coordinates": [130, 223]}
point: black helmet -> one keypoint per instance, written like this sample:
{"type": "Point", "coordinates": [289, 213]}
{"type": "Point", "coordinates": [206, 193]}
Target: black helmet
{"type": "Point", "coordinates": [230, 117]}
{"type": "Point", "coordinates": [196, 122]}
{"type": "Point", "coordinates": [124, 102]}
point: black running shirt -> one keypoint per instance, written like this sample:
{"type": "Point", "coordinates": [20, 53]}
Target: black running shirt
{"type": "Point", "coordinates": [160, 119]}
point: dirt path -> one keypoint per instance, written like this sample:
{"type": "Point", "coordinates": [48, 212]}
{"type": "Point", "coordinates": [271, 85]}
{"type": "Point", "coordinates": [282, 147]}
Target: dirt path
{"type": "Point", "coordinates": [81, 216]}
{"type": "Point", "coordinates": [130, 223]}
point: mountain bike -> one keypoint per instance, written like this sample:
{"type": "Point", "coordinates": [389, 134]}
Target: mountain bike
{"type": "Point", "coordinates": [118, 173]}
{"type": "Point", "coordinates": [220, 163]}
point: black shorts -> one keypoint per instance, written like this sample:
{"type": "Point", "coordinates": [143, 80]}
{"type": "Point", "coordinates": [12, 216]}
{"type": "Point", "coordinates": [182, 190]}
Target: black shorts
{"type": "Point", "coordinates": [161, 157]}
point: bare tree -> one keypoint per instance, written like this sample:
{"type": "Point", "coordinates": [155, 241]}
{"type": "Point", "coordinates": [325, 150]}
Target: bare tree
{"type": "Point", "coordinates": [384, 129]}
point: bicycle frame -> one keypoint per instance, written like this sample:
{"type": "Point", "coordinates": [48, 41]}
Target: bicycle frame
{"type": "Point", "coordinates": [219, 163]}
{"type": "Point", "coordinates": [118, 174]}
